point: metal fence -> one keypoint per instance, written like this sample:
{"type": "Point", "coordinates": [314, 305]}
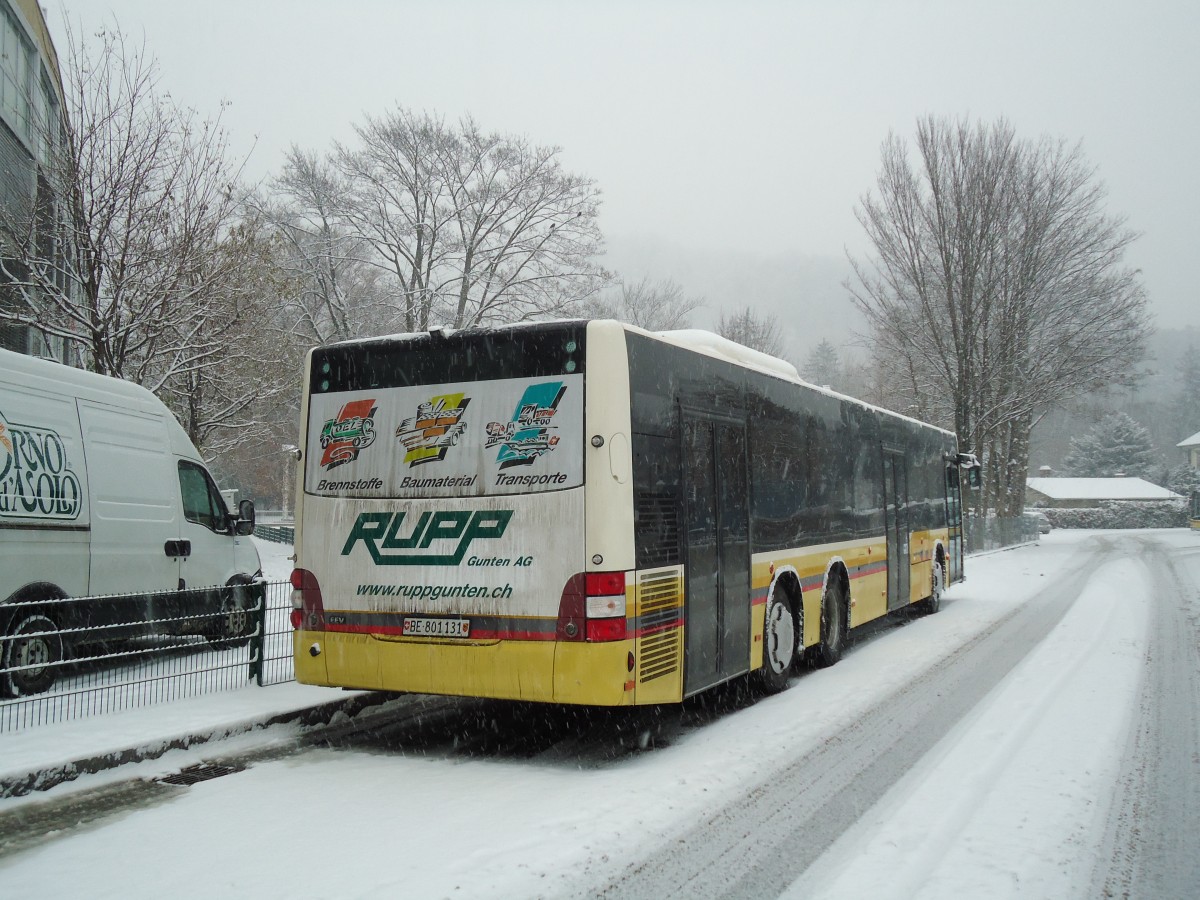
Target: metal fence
{"type": "Point", "coordinates": [279, 534]}
{"type": "Point", "coordinates": [995, 533]}
{"type": "Point", "coordinates": [67, 659]}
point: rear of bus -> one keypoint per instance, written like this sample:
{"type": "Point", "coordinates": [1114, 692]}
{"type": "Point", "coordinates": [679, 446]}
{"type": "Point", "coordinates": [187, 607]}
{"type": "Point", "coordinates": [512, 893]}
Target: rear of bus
{"type": "Point", "coordinates": [443, 540]}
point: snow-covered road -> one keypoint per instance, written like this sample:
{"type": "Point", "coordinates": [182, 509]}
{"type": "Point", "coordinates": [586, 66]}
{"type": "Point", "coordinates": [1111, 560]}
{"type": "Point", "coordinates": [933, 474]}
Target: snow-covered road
{"type": "Point", "coordinates": [1038, 737]}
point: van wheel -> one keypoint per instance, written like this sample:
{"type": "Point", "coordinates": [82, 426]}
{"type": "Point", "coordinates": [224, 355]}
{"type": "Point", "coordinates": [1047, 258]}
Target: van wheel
{"type": "Point", "coordinates": [32, 651]}
{"type": "Point", "coordinates": [234, 625]}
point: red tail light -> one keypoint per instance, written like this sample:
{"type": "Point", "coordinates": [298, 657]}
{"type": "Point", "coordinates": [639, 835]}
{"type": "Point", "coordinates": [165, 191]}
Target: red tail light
{"type": "Point", "coordinates": [592, 608]}
{"type": "Point", "coordinates": [308, 609]}
{"type": "Point", "coordinates": [606, 629]}
{"type": "Point", "coordinates": [602, 583]}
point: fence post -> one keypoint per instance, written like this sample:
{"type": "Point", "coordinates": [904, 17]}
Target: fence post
{"type": "Point", "coordinates": [259, 636]}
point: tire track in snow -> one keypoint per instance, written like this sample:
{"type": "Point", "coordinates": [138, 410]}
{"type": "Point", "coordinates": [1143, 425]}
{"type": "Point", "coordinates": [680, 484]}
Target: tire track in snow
{"type": "Point", "coordinates": [758, 846]}
{"type": "Point", "coordinates": [1014, 802]}
{"type": "Point", "coordinates": [1151, 839]}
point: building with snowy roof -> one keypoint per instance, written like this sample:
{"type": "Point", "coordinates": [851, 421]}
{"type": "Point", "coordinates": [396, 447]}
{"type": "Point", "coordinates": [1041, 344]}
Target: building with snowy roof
{"type": "Point", "coordinates": [1084, 493]}
{"type": "Point", "coordinates": [1191, 446]}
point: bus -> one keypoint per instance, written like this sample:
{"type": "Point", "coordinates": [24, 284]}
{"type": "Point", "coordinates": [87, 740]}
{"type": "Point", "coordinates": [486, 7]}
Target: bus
{"type": "Point", "coordinates": [1194, 511]}
{"type": "Point", "coordinates": [584, 512]}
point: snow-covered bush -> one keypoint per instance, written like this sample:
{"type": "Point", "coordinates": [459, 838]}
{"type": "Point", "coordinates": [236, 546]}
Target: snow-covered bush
{"type": "Point", "coordinates": [1122, 514]}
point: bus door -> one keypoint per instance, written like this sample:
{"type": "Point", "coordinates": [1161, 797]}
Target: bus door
{"type": "Point", "coordinates": [954, 524]}
{"type": "Point", "coordinates": [717, 612]}
{"type": "Point", "coordinates": [895, 492]}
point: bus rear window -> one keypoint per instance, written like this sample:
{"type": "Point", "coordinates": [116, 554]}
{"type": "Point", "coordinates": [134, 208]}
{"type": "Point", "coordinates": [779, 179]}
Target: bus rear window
{"type": "Point", "coordinates": [531, 351]}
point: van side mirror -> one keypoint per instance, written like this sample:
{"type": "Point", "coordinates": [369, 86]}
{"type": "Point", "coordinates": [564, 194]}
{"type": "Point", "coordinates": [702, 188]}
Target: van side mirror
{"type": "Point", "coordinates": [245, 518]}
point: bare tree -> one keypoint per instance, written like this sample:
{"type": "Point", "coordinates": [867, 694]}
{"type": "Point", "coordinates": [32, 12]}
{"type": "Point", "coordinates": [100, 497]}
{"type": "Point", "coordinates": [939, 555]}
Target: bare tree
{"type": "Point", "coordinates": [333, 290]}
{"type": "Point", "coordinates": [471, 227]}
{"type": "Point", "coordinates": [758, 332]}
{"type": "Point", "coordinates": [653, 305]}
{"type": "Point", "coordinates": [223, 406]}
{"type": "Point", "coordinates": [997, 287]}
{"type": "Point", "coordinates": [139, 195]}
{"type": "Point", "coordinates": [526, 231]}
{"type": "Point", "coordinates": [394, 198]}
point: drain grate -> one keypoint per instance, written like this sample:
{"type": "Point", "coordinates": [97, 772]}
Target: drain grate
{"type": "Point", "coordinates": [196, 774]}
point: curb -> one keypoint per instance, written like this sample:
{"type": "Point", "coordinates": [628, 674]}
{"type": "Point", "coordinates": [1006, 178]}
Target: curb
{"type": "Point", "coordinates": [306, 717]}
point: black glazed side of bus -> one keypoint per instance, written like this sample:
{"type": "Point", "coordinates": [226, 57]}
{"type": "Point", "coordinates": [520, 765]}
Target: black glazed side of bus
{"type": "Point", "coordinates": [814, 472]}
{"type": "Point", "coordinates": [815, 462]}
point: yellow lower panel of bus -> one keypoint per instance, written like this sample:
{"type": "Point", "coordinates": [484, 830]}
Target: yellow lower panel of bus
{"type": "Point", "coordinates": [593, 674]}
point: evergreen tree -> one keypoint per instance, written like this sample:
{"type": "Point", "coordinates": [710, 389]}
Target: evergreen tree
{"type": "Point", "coordinates": [1183, 480]}
{"type": "Point", "coordinates": [1116, 446]}
{"type": "Point", "coordinates": [823, 367]}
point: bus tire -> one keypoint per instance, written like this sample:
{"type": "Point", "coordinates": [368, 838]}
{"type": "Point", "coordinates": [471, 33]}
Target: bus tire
{"type": "Point", "coordinates": [779, 642]}
{"type": "Point", "coordinates": [32, 639]}
{"type": "Point", "coordinates": [833, 626]}
{"type": "Point", "coordinates": [937, 586]}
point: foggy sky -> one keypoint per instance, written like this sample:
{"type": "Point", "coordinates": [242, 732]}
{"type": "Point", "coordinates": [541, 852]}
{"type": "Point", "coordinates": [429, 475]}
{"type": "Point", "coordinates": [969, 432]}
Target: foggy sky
{"type": "Point", "coordinates": [721, 133]}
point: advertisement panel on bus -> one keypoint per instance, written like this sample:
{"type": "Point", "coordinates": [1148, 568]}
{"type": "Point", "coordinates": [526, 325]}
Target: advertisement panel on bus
{"type": "Point", "coordinates": [450, 507]}
{"type": "Point", "coordinates": [510, 436]}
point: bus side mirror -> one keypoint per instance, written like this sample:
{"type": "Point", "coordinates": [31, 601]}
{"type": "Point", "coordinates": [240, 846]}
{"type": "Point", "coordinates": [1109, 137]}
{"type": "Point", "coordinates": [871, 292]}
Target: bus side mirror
{"type": "Point", "coordinates": [245, 518]}
{"type": "Point", "coordinates": [970, 462]}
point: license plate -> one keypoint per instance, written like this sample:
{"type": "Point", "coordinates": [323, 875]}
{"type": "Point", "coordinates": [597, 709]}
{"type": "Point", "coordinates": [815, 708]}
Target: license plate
{"type": "Point", "coordinates": [419, 627]}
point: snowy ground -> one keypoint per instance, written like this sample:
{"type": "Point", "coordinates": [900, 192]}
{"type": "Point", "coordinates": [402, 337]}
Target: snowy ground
{"type": "Point", "coordinates": [1015, 799]}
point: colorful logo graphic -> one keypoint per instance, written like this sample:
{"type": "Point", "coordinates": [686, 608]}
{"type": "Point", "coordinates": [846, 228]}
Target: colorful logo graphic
{"type": "Point", "coordinates": [345, 437]}
{"type": "Point", "coordinates": [434, 429]}
{"type": "Point", "coordinates": [530, 434]}
{"type": "Point", "coordinates": [36, 479]}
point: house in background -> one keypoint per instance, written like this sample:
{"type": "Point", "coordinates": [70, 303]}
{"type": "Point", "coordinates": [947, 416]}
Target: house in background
{"type": "Point", "coordinates": [1191, 446]}
{"type": "Point", "coordinates": [1088, 493]}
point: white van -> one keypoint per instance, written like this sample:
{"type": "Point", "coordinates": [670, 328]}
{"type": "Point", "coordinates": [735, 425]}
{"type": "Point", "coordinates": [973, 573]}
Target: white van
{"type": "Point", "coordinates": [102, 493]}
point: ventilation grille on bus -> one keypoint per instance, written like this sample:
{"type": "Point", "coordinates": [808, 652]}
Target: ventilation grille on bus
{"type": "Point", "coordinates": [660, 596]}
{"type": "Point", "coordinates": [657, 527]}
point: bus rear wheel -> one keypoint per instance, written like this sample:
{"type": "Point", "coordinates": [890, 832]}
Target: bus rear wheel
{"type": "Point", "coordinates": [833, 627]}
{"type": "Point", "coordinates": [779, 642]}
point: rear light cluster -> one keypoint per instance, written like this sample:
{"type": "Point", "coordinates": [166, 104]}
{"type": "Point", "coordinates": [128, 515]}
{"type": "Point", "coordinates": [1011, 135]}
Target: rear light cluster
{"type": "Point", "coordinates": [308, 609]}
{"type": "Point", "coordinates": [593, 608]}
